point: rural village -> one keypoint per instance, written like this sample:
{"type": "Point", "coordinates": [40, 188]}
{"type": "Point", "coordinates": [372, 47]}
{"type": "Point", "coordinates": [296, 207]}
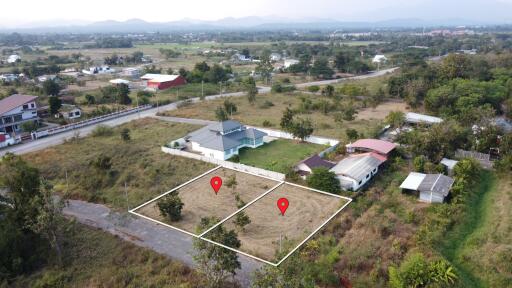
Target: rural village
{"type": "Point", "coordinates": [143, 159]}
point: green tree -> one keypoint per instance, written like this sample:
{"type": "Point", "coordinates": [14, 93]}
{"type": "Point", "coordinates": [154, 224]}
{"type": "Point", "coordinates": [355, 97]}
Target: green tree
{"type": "Point", "coordinates": [328, 91]}
{"type": "Point", "coordinates": [122, 94]}
{"type": "Point", "coordinates": [29, 126]}
{"type": "Point", "coordinates": [125, 134]}
{"type": "Point", "coordinates": [287, 119]}
{"type": "Point", "coordinates": [321, 69]}
{"type": "Point", "coordinates": [170, 206]}
{"type": "Point", "coordinates": [455, 66]}
{"type": "Point", "coordinates": [51, 88]}
{"type": "Point", "coordinates": [242, 220]}
{"type": "Point", "coordinates": [214, 262]}
{"type": "Point", "coordinates": [351, 134]}
{"type": "Point", "coordinates": [325, 180]}
{"type": "Point", "coordinates": [252, 90]}
{"type": "Point", "coordinates": [416, 271]}
{"type": "Point", "coordinates": [220, 114]}
{"type": "Point", "coordinates": [395, 118]}
{"type": "Point", "coordinates": [302, 128]}
{"type": "Point", "coordinates": [265, 67]}
{"type": "Point", "coordinates": [419, 163]}
{"type": "Point", "coordinates": [55, 104]}
{"type": "Point", "coordinates": [90, 99]}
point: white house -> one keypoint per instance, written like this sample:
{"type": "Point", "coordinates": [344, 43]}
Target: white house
{"type": "Point", "coordinates": [379, 59]}
{"type": "Point", "coordinates": [223, 140]}
{"type": "Point", "coordinates": [13, 59]}
{"type": "Point", "coordinates": [416, 118]}
{"type": "Point", "coordinates": [131, 72]}
{"type": "Point", "coordinates": [240, 58]}
{"type": "Point", "coordinates": [275, 57]}
{"type": "Point", "coordinates": [69, 112]}
{"type": "Point", "coordinates": [356, 170]}
{"type": "Point", "coordinates": [290, 62]}
{"type": "Point", "coordinates": [432, 188]}
{"type": "Point", "coordinates": [16, 110]}
{"type": "Point", "coordinates": [9, 77]}
{"type": "Point", "coordinates": [98, 70]}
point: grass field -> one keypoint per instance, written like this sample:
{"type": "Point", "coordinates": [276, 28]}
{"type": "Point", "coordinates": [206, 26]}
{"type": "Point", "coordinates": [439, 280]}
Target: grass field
{"type": "Point", "coordinates": [256, 114]}
{"type": "Point", "coordinates": [201, 201]}
{"type": "Point", "coordinates": [279, 155]}
{"type": "Point", "coordinates": [306, 212]}
{"type": "Point", "coordinates": [138, 162]}
{"type": "Point", "coordinates": [481, 246]}
{"type": "Point", "coordinates": [93, 258]}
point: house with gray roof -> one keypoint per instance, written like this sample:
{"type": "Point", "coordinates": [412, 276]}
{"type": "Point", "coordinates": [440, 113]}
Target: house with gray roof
{"type": "Point", "coordinates": [223, 140]}
{"type": "Point", "coordinates": [356, 170]}
{"type": "Point", "coordinates": [432, 188]}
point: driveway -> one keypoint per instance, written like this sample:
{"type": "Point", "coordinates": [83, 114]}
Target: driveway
{"type": "Point", "coordinates": [144, 233]}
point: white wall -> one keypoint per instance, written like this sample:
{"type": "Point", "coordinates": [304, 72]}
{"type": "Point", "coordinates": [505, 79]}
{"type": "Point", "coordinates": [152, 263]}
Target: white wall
{"type": "Point", "coordinates": [431, 198]}
{"type": "Point", "coordinates": [237, 166]}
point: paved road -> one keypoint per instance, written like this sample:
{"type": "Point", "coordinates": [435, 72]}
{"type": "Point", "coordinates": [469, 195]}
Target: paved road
{"type": "Point", "coordinates": [147, 234]}
{"type": "Point", "coordinates": [184, 120]}
{"type": "Point", "coordinates": [59, 138]}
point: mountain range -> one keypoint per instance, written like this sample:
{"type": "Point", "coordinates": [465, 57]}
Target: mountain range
{"type": "Point", "coordinates": [245, 23]}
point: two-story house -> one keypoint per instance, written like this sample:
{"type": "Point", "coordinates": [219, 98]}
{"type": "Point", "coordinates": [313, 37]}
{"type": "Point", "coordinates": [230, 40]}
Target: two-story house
{"type": "Point", "coordinates": [16, 110]}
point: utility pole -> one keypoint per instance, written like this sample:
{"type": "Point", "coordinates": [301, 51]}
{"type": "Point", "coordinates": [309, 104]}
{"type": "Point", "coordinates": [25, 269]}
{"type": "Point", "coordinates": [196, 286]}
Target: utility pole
{"type": "Point", "coordinates": [126, 196]}
{"type": "Point", "coordinates": [202, 89]}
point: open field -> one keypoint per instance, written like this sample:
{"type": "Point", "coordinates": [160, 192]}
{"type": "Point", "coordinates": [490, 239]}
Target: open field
{"type": "Point", "coordinates": [138, 162]}
{"type": "Point", "coordinates": [201, 201]}
{"type": "Point", "coordinates": [93, 258]}
{"type": "Point", "coordinates": [481, 247]}
{"type": "Point", "coordinates": [256, 114]}
{"type": "Point", "coordinates": [380, 112]}
{"type": "Point", "coordinates": [307, 211]}
{"type": "Point", "coordinates": [279, 155]}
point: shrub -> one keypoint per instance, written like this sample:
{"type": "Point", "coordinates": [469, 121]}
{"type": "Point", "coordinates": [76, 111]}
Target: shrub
{"type": "Point", "coordinates": [313, 88]}
{"type": "Point", "coordinates": [325, 180]}
{"type": "Point", "coordinates": [170, 206]}
{"type": "Point", "coordinates": [267, 123]}
{"type": "Point", "coordinates": [125, 134]}
{"type": "Point", "coordinates": [266, 104]}
{"type": "Point", "coordinates": [102, 131]}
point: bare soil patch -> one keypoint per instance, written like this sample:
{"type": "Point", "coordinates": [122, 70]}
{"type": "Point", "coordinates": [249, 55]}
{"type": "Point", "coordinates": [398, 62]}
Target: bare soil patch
{"type": "Point", "coordinates": [307, 211]}
{"type": "Point", "coordinates": [201, 201]}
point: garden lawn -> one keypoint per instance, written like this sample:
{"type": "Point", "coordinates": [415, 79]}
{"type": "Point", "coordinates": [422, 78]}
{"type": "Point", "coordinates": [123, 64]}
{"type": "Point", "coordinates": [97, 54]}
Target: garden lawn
{"type": "Point", "coordinates": [279, 155]}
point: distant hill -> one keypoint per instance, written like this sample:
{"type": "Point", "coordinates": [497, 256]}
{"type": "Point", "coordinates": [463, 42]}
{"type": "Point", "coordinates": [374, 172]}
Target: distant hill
{"type": "Point", "coordinates": [251, 23]}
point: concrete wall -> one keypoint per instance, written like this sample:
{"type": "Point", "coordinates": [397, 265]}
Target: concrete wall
{"type": "Point", "coordinates": [227, 164]}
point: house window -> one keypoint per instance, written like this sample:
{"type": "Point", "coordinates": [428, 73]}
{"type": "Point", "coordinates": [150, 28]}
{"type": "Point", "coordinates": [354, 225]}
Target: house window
{"type": "Point", "coordinates": [367, 176]}
{"type": "Point", "coordinates": [25, 106]}
{"type": "Point", "coordinates": [8, 120]}
{"type": "Point", "coordinates": [32, 105]}
{"type": "Point", "coordinates": [360, 182]}
{"type": "Point", "coordinates": [17, 118]}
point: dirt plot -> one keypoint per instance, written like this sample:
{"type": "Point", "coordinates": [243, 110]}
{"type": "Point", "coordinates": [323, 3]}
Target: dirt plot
{"type": "Point", "coordinates": [200, 200]}
{"type": "Point", "coordinates": [380, 112]}
{"type": "Point", "coordinates": [307, 211]}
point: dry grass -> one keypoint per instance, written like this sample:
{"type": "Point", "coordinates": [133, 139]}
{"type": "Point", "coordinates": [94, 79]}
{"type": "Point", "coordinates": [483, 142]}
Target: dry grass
{"type": "Point", "coordinates": [306, 212]}
{"type": "Point", "coordinates": [380, 112]}
{"type": "Point", "coordinates": [138, 162]}
{"type": "Point", "coordinates": [200, 200]}
{"type": "Point", "coordinates": [255, 115]}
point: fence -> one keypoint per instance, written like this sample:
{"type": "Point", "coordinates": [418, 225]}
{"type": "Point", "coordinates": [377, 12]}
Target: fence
{"type": "Point", "coordinates": [60, 129]}
{"type": "Point", "coordinates": [227, 164]}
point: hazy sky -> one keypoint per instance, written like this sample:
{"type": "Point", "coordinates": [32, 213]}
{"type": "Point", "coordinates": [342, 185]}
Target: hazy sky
{"type": "Point", "coordinates": [46, 12]}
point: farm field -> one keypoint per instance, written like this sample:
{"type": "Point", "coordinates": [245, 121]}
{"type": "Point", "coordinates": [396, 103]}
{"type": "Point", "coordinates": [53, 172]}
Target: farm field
{"type": "Point", "coordinates": [279, 155]}
{"type": "Point", "coordinates": [200, 200]}
{"type": "Point", "coordinates": [137, 162]}
{"type": "Point", "coordinates": [257, 114]}
{"type": "Point", "coordinates": [307, 211]}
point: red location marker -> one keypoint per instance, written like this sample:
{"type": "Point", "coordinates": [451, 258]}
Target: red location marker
{"type": "Point", "coordinates": [216, 183]}
{"type": "Point", "coordinates": [282, 204]}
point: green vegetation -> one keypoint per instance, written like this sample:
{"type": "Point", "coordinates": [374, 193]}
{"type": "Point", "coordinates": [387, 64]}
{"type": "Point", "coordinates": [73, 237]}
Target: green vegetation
{"type": "Point", "coordinates": [170, 206]}
{"type": "Point", "coordinates": [93, 258]}
{"type": "Point", "coordinates": [98, 167]}
{"type": "Point", "coordinates": [279, 155]}
{"type": "Point", "coordinates": [324, 180]}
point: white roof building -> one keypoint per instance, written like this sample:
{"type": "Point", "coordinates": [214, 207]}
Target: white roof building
{"type": "Point", "coordinates": [290, 62]}
{"type": "Point", "coordinates": [119, 81]}
{"type": "Point", "coordinates": [416, 118]}
{"type": "Point", "coordinates": [159, 77]}
{"type": "Point", "coordinates": [432, 188]}
{"type": "Point", "coordinates": [13, 58]}
{"type": "Point", "coordinates": [379, 59]}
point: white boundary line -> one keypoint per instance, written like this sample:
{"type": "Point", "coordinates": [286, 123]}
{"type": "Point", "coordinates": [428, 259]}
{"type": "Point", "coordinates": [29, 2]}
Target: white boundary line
{"type": "Point", "coordinates": [201, 236]}
{"type": "Point", "coordinates": [246, 205]}
{"type": "Point", "coordinates": [251, 173]}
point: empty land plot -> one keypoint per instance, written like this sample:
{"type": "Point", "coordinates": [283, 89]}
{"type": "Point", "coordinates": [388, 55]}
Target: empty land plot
{"type": "Point", "coordinates": [307, 211]}
{"type": "Point", "coordinates": [201, 201]}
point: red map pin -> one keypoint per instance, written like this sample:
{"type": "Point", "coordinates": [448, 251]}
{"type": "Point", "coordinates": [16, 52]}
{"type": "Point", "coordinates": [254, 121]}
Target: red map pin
{"type": "Point", "coordinates": [216, 183]}
{"type": "Point", "coordinates": [282, 204]}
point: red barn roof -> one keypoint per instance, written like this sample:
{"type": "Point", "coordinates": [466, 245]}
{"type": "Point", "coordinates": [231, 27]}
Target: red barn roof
{"type": "Point", "coordinates": [13, 101]}
{"type": "Point", "coordinates": [380, 146]}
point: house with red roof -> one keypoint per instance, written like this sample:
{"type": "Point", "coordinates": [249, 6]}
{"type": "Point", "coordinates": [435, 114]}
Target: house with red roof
{"type": "Point", "coordinates": [16, 110]}
{"type": "Point", "coordinates": [371, 145]}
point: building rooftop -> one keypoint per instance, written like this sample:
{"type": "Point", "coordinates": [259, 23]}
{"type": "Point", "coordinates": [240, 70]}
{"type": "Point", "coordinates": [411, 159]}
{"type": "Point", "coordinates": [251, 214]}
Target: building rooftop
{"type": "Point", "coordinates": [210, 136]}
{"type": "Point", "coordinates": [316, 161]}
{"type": "Point", "coordinates": [13, 101]}
{"type": "Point", "coordinates": [159, 77]}
{"type": "Point", "coordinates": [380, 146]}
{"type": "Point", "coordinates": [358, 166]}
{"type": "Point", "coordinates": [428, 182]}
{"type": "Point", "coordinates": [411, 117]}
